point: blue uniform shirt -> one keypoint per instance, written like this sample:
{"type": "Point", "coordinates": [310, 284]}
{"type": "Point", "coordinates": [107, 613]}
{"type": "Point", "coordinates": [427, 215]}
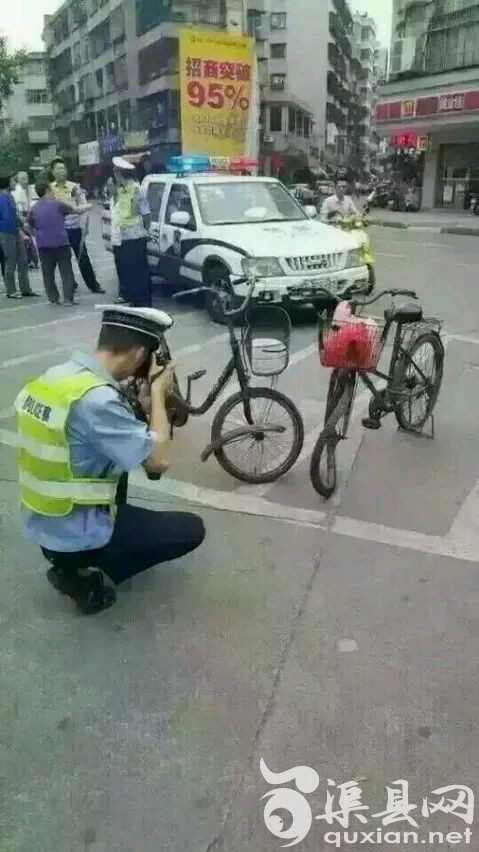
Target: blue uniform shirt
{"type": "Point", "coordinates": [104, 437]}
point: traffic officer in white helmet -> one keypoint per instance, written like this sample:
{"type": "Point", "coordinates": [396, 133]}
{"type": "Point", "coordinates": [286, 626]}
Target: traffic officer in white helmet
{"type": "Point", "coordinates": [78, 436]}
{"type": "Point", "coordinates": [130, 220]}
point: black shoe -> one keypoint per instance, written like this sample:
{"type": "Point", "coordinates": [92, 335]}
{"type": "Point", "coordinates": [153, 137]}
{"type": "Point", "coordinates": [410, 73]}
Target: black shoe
{"type": "Point", "coordinates": [14, 295]}
{"type": "Point", "coordinates": [98, 290]}
{"type": "Point", "coordinates": [30, 294]}
{"type": "Point", "coordinates": [75, 286]}
{"type": "Point", "coordinates": [120, 301]}
{"type": "Point", "coordinates": [56, 578]}
{"type": "Point", "coordinates": [96, 596]}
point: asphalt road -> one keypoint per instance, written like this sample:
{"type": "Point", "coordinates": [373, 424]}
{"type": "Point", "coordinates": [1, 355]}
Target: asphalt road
{"type": "Point", "coordinates": [342, 637]}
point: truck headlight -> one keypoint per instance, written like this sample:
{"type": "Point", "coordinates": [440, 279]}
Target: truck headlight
{"type": "Point", "coordinates": [354, 258]}
{"type": "Point", "coordinates": [261, 267]}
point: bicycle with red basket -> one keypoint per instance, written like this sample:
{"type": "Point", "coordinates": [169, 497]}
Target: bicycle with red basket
{"type": "Point", "coordinates": [351, 345]}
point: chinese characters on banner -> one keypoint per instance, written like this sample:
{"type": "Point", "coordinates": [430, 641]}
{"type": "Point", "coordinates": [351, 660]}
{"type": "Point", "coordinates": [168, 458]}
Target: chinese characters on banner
{"type": "Point", "coordinates": [408, 109]}
{"type": "Point", "coordinates": [216, 85]}
{"type": "Point", "coordinates": [411, 141]}
{"type": "Point", "coordinates": [451, 103]}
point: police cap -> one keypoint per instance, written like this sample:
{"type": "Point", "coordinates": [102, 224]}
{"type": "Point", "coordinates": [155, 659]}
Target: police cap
{"type": "Point", "coordinates": [143, 326]}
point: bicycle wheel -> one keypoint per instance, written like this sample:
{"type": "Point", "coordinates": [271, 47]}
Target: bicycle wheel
{"type": "Point", "coordinates": [323, 469]}
{"type": "Point", "coordinates": [418, 380]}
{"type": "Point", "coordinates": [259, 459]}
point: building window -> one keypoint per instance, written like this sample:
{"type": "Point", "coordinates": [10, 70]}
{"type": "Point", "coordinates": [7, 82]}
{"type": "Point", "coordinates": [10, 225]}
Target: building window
{"type": "Point", "coordinates": [276, 119]}
{"type": "Point", "coordinates": [34, 66]}
{"type": "Point", "coordinates": [278, 20]}
{"type": "Point", "coordinates": [158, 59]}
{"type": "Point", "coordinates": [365, 34]}
{"type": "Point", "coordinates": [278, 51]}
{"type": "Point", "coordinates": [365, 54]}
{"type": "Point", "coordinates": [40, 122]}
{"type": "Point", "coordinates": [37, 96]}
{"type": "Point", "coordinates": [278, 82]}
{"type": "Point", "coordinates": [291, 120]}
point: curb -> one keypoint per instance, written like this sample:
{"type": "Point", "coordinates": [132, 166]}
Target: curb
{"type": "Point", "coordinates": [466, 232]}
{"type": "Point", "coordinates": [432, 229]}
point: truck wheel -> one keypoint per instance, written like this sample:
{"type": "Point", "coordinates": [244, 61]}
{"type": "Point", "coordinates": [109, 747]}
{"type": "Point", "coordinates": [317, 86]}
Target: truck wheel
{"type": "Point", "coordinates": [218, 278]}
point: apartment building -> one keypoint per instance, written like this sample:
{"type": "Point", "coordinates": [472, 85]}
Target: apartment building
{"type": "Point", "coordinates": [114, 68]}
{"type": "Point", "coordinates": [431, 99]}
{"type": "Point", "coordinates": [30, 104]}
{"type": "Point", "coordinates": [310, 71]}
{"type": "Point", "coordinates": [366, 52]}
{"type": "Point", "coordinates": [288, 140]}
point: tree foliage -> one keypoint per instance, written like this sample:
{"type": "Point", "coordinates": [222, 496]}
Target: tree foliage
{"type": "Point", "coordinates": [10, 68]}
{"type": "Point", "coordinates": [16, 152]}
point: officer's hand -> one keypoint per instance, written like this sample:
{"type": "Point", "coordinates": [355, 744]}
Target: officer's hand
{"type": "Point", "coordinates": [144, 396]}
{"type": "Point", "coordinates": [161, 379]}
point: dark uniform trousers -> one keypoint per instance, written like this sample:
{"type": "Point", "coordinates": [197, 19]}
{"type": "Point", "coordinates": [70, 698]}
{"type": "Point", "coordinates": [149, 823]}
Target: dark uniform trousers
{"type": "Point", "coordinates": [141, 539]}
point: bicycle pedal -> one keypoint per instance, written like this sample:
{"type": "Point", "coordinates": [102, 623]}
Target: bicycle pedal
{"type": "Point", "coordinates": [371, 423]}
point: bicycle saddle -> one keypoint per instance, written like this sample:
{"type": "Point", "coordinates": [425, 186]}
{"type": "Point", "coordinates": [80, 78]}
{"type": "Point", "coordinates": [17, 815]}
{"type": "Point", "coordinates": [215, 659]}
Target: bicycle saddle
{"type": "Point", "coordinates": [402, 314]}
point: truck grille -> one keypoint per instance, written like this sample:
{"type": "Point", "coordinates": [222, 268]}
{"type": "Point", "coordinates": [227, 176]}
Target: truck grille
{"type": "Point", "coordinates": [316, 263]}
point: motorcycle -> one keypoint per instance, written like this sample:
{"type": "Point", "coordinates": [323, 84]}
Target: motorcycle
{"type": "Point", "coordinates": [359, 224]}
{"type": "Point", "coordinates": [474, 206]}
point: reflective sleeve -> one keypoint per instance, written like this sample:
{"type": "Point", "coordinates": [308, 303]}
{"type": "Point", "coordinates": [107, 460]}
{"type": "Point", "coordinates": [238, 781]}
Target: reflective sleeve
{"type": "Point", "coordinates": [143, 204]}
{"type": "Point", "coordinates": [103, 421]}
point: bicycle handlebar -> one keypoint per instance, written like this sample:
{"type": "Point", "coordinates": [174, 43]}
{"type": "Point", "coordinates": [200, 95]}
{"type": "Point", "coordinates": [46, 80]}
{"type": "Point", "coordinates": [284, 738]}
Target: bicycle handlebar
{"type": "Point", "coordinates": [228, 315]}
{"type": "Point", "coordinates": [411, 294]}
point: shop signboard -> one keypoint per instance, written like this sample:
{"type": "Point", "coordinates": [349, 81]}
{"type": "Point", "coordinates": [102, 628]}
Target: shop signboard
{"type": "Point", "coordinates": [408, 109]}
{"type": "Point", "coordinates": [448, 103]}
{"type": "Point", "coordinates": [216, 89]}
{"type": "Point", "coordinates": [89, 153]}
{"type": "Point", "coordinates": [135, 139]}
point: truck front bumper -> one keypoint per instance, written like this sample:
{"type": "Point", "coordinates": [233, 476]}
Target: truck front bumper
{"type": "Point", "coordinates": [309, 288]}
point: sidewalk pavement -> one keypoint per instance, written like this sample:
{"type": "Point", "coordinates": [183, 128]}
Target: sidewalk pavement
{"type": "Point", "coordinates": [436, 221]}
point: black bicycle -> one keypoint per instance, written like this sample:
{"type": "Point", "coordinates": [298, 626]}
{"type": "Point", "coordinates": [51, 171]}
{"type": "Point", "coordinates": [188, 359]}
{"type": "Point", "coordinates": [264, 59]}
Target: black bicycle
{"type": "Point", "coordinates": [352, 346]}
{"type": "Point", "coordinates": [257, 433]}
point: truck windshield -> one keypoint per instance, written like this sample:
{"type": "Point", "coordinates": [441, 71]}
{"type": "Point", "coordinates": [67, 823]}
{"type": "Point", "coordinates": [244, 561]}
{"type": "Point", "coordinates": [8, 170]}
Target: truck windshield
{"type": "Point", "coordinates": [238, 203]}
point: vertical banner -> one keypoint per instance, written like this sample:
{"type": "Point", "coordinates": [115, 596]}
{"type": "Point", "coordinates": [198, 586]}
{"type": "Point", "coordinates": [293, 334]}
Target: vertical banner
{"type": "Point", "coordinates": [216, 85]}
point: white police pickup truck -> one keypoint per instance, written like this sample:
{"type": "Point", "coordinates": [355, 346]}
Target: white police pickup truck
{"type": "Point", "coordinates": [215, 228]}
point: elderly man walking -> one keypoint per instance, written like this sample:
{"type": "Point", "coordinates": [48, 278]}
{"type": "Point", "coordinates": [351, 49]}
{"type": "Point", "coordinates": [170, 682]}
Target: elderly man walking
{"type": "Point", "coordinates": [12, 243]}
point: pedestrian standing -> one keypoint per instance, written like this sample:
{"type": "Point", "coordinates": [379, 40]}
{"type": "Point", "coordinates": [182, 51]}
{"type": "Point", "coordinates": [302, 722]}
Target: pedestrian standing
{"type": "Point", "coordinates": [25, 196]}
{"type": "Point", "coordinates": [47, 219]}
{"type": "Point", "coordinates": [12, 243]}
{"type": "Point", "coordinates": [68, 192]}
{"type": "Point", "coordinates": [130, 220]}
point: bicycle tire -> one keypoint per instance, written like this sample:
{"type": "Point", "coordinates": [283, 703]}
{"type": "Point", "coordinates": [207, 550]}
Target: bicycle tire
{"type": "Point", "coordinates": [400, 380]}
{"type": "Point", "coordinates": [297, 444]}
{"type": "Point", "coordinates": [341, 392]}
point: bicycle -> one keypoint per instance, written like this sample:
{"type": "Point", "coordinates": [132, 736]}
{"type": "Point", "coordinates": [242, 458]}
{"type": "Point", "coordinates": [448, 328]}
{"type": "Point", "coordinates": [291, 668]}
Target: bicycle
{"type": "Point", "coordinates": [352, 347]}
{"type": "Point", "coordinates": [256, 420]}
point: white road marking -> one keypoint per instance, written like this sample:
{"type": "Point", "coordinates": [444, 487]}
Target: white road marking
{"type": "Point", "coordinates": [347, 646]}
{"type": "Point", "coordinates": [447, 546]}
{"type": "Point", "coordinates": [6, 331]}
{"type": "Point", "coordinates": [384, 254]}
{"type": "Point", "coordinates": [34, 356]}
{"type": "Point", "coordinates": [466, 523]}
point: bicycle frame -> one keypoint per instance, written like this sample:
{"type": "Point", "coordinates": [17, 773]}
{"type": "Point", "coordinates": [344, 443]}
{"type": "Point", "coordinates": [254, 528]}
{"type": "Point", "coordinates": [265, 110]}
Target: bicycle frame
{"type": "Point", "coordinates": [386, 401]}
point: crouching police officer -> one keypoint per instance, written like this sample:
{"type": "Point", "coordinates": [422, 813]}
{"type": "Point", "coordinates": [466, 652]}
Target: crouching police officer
{"type": "Point", "coordinates": [78, 437]}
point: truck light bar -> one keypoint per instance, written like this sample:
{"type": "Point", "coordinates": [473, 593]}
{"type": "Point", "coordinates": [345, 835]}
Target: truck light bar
{"type": "Point", "coordinates": [215, 165]}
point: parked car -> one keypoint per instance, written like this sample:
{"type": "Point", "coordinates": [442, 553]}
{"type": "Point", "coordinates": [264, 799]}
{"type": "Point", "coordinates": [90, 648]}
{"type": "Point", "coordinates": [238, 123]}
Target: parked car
{"type": "Point", "coordinates": [215, 229]}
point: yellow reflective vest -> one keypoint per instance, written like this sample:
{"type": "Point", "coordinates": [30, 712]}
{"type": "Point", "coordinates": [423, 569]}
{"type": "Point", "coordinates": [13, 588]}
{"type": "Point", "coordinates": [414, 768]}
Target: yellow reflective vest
{"type": "Point", "coordinates": [126, 205]}
{"type": "Point", "coordinates": [48, 485]}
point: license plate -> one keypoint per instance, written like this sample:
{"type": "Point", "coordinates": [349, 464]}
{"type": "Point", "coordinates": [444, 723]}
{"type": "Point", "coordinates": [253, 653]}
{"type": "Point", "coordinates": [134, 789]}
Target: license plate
{"type": "Point", "coordinates": [313, 284]}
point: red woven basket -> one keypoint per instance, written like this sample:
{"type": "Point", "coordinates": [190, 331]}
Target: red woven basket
{"type": "Point", "coordinates": [351, 345]}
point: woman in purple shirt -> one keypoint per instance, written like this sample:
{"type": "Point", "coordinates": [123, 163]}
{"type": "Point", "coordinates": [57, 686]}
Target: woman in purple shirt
{"type": "Point", "coordinates": [47, 218]}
